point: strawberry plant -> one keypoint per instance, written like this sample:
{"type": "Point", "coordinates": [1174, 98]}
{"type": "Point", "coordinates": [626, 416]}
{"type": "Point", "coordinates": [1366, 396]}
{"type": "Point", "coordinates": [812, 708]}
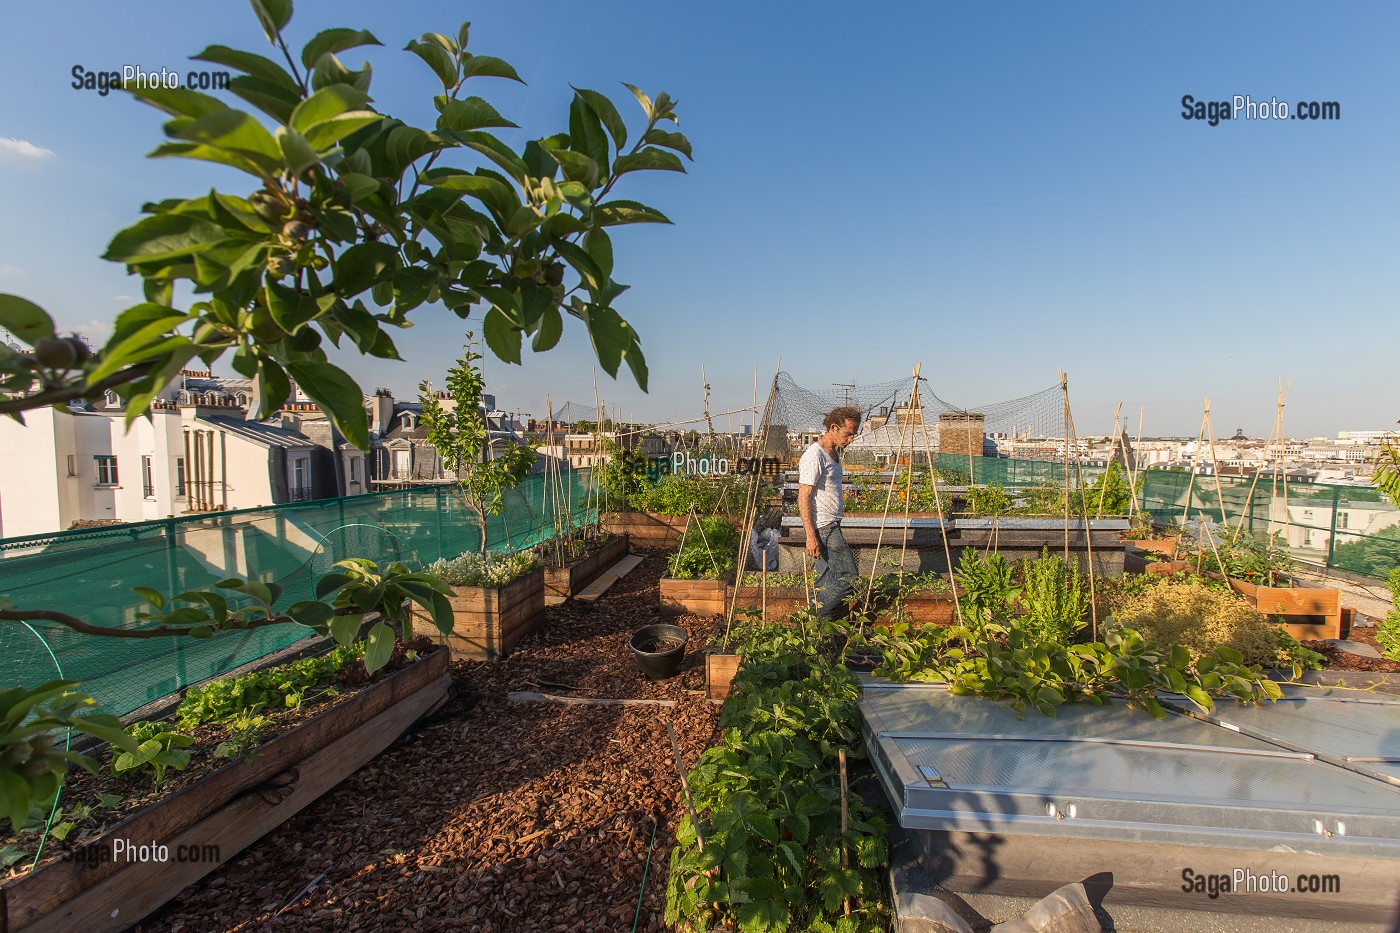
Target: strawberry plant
{"type": "Point", "coordinates": [769, 853]}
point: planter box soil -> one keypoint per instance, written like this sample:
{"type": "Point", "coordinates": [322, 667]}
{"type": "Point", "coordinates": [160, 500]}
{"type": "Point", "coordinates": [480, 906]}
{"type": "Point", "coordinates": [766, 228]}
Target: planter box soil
{"type": "Point", "coordinates": [223, 813]}
{"type": "Point", "coordinates": [568, 581]}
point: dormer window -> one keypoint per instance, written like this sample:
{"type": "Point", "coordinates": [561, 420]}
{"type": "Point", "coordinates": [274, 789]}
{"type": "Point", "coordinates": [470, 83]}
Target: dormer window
{"type": "Point", "coordinates": [243, 398]}
{"type": "Point", "coordinates": [409, 421]}
{"type": "Point", "coordinates": [111, 398]}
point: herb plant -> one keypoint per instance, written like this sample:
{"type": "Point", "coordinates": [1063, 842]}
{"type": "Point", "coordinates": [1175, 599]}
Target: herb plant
{"type": "Point", "coordinates": [485, 570]}
{"type": "Point", "coordinates": [709, 551]}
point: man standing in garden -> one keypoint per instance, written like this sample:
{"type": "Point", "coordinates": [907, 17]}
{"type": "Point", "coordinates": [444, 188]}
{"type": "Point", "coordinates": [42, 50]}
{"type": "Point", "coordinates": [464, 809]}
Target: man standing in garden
{"type": "Point", "coordinates": [820, 504]}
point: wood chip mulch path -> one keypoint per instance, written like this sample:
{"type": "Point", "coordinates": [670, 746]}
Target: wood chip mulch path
{"type": "Point", "coordinates": [495, 816]}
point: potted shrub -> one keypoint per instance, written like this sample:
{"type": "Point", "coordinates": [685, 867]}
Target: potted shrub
{"type": "Point", "coordinates": [496, 601]}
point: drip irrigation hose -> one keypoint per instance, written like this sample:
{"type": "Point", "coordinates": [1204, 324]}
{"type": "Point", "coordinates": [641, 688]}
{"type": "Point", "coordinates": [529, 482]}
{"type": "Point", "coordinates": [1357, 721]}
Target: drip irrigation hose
{"type": "Point", "coordinates": [637, 917]}
{"type": "Point", "coordinates": [67, 746]}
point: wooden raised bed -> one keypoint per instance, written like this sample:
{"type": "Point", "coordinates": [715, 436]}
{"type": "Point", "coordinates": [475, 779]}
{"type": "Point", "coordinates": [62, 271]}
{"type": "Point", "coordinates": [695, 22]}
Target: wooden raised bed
{"type": "Point", "coordinates": [646, 529]}
{"type": "Point", "coordinates": [222, 814]}
{"type": "Point", "coordinates": [720, 668]}
{"type": "Point", "coordinates": [783, 600]}
{"type": "Point", "coordinates": [567, 581]}
{"type": "Point", "coordinates": [488, 620]}
{"type": "Point", "coordinates": [701, 597]}
{"type": "Point", "coordinates": [1307, 612]}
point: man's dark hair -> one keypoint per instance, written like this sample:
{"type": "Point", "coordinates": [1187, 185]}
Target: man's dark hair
{"type": "Point", "coordinates": [839, 416]}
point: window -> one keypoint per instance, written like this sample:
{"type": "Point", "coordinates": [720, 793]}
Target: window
{"type": "Point", "coordinates": [179, 477]}
{"type": "Point", "coordinates": [300, 487]}
{"type": "Point", "coordinates": [354, 469]}
{"type": "Point", "coordinates": [106, 470]}
{"type": "Point", "coordinates": [72, 465]}
{"type": "Point", "coordinates": [1342, 519]}
{"type": "Point", "coordinates": [148, 478]}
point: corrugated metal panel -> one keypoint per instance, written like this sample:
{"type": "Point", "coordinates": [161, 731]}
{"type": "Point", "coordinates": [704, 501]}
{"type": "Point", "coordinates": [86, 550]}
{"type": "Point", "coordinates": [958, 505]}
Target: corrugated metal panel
{"type": "Point", "coordinates": [971, 764]}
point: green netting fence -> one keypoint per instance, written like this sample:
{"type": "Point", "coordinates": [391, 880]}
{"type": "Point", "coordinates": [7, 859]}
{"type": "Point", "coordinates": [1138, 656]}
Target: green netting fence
{"type": "Point", "coordinates": [1351, 528]}
{"type": "Point", "coordinates": [89, 574]}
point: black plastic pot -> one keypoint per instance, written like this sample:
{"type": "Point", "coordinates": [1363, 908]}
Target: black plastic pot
{"type": "Point", "coordinates": [659, 650]}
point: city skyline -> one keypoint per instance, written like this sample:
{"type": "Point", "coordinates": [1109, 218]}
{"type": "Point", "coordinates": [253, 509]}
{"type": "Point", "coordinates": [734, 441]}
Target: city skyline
{"type": "Point", "coordinates": [997, 193]}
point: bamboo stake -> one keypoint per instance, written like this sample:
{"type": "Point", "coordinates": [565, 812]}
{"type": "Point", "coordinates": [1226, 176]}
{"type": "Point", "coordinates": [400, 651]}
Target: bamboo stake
{"type": "Point", "coordinates": [845, 822]}
{"type": "Point", "coordinates": [1103, 493]}
{"type": "Point", "coordinates": [889, 494]}
{"type": "Point", "coordinates": [1249, 499]}
{"type": "Point", "coordinates": [1064, 390]}
{"type": "Point", "coordinates": [1283, 463]}
{"type": "Point", "coordinates": [1215, 465]}
{"type": "Point", "coordinates": [1191, 483]}
{"type": "Point", "coordinates": [685, 786]}
{"type": "Point", "coordinates": [1084, 505]}
{"type": "Point", "coordinates": [943, 531]}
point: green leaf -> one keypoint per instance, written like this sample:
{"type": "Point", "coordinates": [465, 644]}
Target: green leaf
{"type": "Point", "coordinates": [607, 113]}
{"type": "Point", "coordinates": [178, 101]}
{"type": "Point", "coordinates": [379, 647]}
{"type": "Point", "coordinates": [290, 308]}
{"type": "Point", "coordinates": [616, 213]}
{"type": "Point", "coordinates": [642, 99]}
{"type": "Point", "coordinates": [162, 237]}
{"type": "Point", "coordinates": [609, 335]}
{"type": "Point", "coordinates": [311, 613]}
{"type": "Point", "coordinates": [670, 140]}
{"type": "Point", "coordinates": [598, 245]}
{"type": "Point", "coordinates": [647, 159]}
{"type": "Point", "coordinates": [270, 97]}
{"type": "Point", "coordinates": [488, 66]}
{"type": "Point", "coordinates": [1180, 658]}
{"type": "Point", "coordinates": [593, 277]}
{"type": "Point", "coordinates": [503, 336]}
{"type": "Point", "coordinates": [551, 328]}
{"type": "Point", "coordinates": [233, 131]}
{"type": "Point", "coordinates": [362, 265]}
{"type": "Point", "coordinates": [273, 15]}
{"type": "Point", "coordinates": [493, 149]}
{"type": "Point", "coordinates": [1226, 653]}
{"type": "Point", "coordinates": [345, 629]}
{"type": "Point", "coordinates": [325, 104]}
{"type": "Point", "coordinates": [1199, 697]}
{"type": "Point", "coordinates": [473, 113]}
{"type": "Point", "coordinates": [154, 597]}
{"type": "Point", "coordinates": [333, 41]}
{"type": "Point", "coordinates": [25, 319]}
{"type": "Point", "coordinates": [577, 167]}
{"type": "Point", "coordinates": [338, 394]}
{"type": "Point", "coordinates": [331, 582]}
{"type": "Point", "coordinates": [298, 154]}
{"type": "Point", "coordinates": [273, 387]}
{"type": "Point", "coordinates": [249, 63]}
{"type": "Point", "coordinates": [437, 58]}
{"type": "Point", "coordinates": [586, 132]}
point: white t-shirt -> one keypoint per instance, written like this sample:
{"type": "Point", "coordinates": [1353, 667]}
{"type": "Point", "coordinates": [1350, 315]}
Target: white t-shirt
{"type": "Point", "coordinates": [822, 472]}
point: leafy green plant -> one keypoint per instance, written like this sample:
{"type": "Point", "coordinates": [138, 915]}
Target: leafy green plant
{"type": "Point", "coordinates": [988, 500]}
{"type": "Point", "coordinates": [484, 570]}
{"type": "Point", "coordinates": [1053, 598]}
{"type": "Point", "coordinates": [32, 765]}
{"type": "Point", "coordinates": [360, 588]}
{"type": "Point", "coordinates": [350, 204]}
{"type": "Point", "coordinates": [1046, 674]}
{"type": "Point", "coordinates": [709, 551]}
{"type": "Point", "coordinates": [986, 587]}
{"type": "Point", "coordinates": [1388, 631]}
{"type": "Point", "coordinates": [1256, 559]}
{"type": "Point", "coordinates": [769, 802]}
{"type": "Point", "coordinates": [243, 736]}
{"type": "Point", "coordinates": [678, 494]}
{"type": "Point", "coordinates": [158, 749]}
{"type": "Point", "coordinates": [287, 686]}
{"type": "Point", "coordinates": [1109, 494]}
{"type": "Point", "coordinates": [458, 432]}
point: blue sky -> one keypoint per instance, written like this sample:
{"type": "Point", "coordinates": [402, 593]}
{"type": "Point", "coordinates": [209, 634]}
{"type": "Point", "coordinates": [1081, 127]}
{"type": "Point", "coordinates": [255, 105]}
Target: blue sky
{"type": "Point", "coordinates": [996, 190]}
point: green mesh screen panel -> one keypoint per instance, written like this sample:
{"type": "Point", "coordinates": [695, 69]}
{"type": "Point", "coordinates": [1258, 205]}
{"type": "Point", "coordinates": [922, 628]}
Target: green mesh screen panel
{"type": "Point", "coordinates": [90, 573]}
{"type": "Point", "coordinates": [1350, 528]}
